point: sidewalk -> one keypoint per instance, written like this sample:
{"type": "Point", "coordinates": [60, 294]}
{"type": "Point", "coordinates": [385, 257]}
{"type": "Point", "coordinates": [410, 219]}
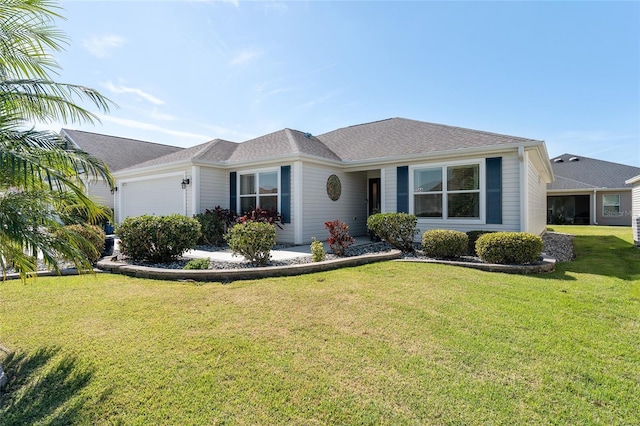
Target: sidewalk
{"type": "Point", "coordinates": [277, 254]}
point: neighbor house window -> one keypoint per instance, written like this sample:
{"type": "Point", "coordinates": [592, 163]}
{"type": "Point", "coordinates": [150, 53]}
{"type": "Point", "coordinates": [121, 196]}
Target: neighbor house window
{"type": "Point", "coordinates": [611, 205]}
{"type": "Point", "coordinates": [447, 192]}
{"type": "Point", "coordinates": [259, 190]}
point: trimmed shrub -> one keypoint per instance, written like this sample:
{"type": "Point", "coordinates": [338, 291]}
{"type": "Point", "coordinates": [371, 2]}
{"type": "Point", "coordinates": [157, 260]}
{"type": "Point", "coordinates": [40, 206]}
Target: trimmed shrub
{"type": "Point", "coordinates": [444, 243]}
{"type": "Point", "coordinates": [473, 237]}
{"type": "Point", "coordinates": [89, 238]}
{"type": "Point", "coordinates": [252, 240]}
{"type": "Point", "coordinates": [214, 224]}
{"type": "Point", "coordinates": [157, 238]}
{"type": "Point", "coordinates": [317, 251]}
{"type": "Point", "coordinates": [509, 247]}
{"type": "Point", "coordinates": [198, 264]}
{"type": "Point", "coordinates": [397, 229]}
{"type": "Point", "coordinates": [339, 239]}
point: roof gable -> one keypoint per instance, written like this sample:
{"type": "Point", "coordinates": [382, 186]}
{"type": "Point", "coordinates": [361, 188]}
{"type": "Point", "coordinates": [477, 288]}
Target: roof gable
{"type": "Point", "coordinates": [577, 172]}
{"type": "Point", "coordinates": [118, 153]}
{"type": "Point", "coordinates": [281, 143]}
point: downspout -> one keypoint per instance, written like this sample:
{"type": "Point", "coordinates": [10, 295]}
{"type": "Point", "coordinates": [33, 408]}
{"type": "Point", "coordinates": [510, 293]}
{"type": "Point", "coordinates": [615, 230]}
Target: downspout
{"type": "Point", "coordinates": [595, 207]}
{"type": "Point", "coordinates": [524, 217]}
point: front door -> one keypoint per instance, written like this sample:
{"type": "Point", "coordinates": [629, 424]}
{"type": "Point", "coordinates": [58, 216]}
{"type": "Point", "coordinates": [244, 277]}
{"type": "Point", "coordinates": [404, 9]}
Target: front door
{"type": "Point", "coordinates": [374, 196]}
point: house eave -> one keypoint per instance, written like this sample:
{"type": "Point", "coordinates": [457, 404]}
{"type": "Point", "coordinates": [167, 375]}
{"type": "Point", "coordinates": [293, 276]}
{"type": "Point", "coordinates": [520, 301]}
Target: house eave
{"type": "Point", "coordinates": [586, 190]}
{"type": "Point", "coordinates": [633, 180]}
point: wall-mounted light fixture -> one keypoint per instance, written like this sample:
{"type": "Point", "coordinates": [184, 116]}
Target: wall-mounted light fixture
{"type": "Point", "coordinates": [114, 189]}
{"type": "Point", "coordinates": [185, 182]}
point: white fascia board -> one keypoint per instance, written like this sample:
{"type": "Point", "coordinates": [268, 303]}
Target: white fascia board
{"type": "Point", "coordinates": [586, 190]}
{"type": "Point", "coordinates": [361, 165]}
{"type": "Point", "coordinates": [282, 159]}
{"type": "Point", "coordinates": [133, 171]}
{"type": "Point", "coordinates": [633, 180]}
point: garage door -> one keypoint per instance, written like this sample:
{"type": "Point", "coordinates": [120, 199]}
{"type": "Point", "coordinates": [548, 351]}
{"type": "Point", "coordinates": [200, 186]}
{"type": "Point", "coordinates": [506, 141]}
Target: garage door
{"type": "Point", "coordinates": [159, 197]}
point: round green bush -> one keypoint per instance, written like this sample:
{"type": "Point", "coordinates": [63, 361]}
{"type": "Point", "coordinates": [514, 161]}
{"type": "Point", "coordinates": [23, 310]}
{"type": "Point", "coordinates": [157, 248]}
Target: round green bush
{"type": "Point", "coordinates": [157, 238]}
{"type": "Point", "coordinates": [397, 229]}
{"type": "Point", "coordinates": [473, 237]}
{"type": "Point", "coordinates": [253, 240]}
{"type": "Point", "coordinates": [509, 247]}
{"type": "Point", "coordinates": [444, 243]}
{"type": "Point", "coordinates": [89, 238]}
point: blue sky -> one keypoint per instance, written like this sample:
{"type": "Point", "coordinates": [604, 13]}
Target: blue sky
{"type": "Point", "coordinates": [183, 73]}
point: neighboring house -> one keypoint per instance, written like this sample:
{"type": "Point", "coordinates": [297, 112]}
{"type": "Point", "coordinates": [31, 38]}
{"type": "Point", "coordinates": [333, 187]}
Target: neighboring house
{"type": "Point", "coordinates": [117, 153]}
{"type": "Point", "coordinates": [589, 191]}
{"type": "Point", "coordinates": [635, 207]}
{"type": "Point", "coordinates": [449, 177]}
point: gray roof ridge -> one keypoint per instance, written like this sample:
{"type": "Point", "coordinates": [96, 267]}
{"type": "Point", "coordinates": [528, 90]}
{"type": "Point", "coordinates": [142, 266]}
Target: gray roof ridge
{"type": "Point", "coordinates": [207, 146]}
{"type": "Point", "coordinates": [120, 137]}
{"type": "Point", "coordinates": [292, 140]}
{"type": "Point", "coordinates": [310, 137]}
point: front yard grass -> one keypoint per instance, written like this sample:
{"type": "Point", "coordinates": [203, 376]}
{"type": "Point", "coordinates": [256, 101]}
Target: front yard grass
{"type": "Point", "coordinates": [385, 343]}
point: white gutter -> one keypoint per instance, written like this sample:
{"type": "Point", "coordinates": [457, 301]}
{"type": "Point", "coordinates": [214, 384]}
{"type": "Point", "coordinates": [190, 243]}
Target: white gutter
{"type": "Point", "coordinates": [595, 207]}
{"type": "Point", "coordinates": [522, 169]}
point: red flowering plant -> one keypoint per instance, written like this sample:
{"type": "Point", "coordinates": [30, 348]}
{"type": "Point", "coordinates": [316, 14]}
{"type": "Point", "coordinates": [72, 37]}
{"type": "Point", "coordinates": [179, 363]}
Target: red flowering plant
{"type": "Point", "coordinates": [271, 217]}
{"type": "Point", "coordinates": [339, 238]}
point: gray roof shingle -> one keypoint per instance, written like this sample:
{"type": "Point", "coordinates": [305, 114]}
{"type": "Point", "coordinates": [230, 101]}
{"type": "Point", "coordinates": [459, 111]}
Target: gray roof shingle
{"type": "Point", "coordinates": [399, 137]}
{"type": "Point", "coordinates": [118, 153]}
{"type": "Point", "coordinates": [589, 173]}
{"type": "Point", "coordinates": [378, 140]}
{"type": "Point", "coordinates": [280, 143]}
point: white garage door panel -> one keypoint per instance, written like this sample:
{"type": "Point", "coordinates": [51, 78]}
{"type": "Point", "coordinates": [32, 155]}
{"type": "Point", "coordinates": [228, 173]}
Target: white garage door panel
{"type": "Point", "coordinates": [157, 197]}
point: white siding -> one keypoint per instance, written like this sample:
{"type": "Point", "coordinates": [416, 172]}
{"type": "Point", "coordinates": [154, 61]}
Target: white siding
{"type": "Point", "coordinates": [537, 200]}
{"type": "Point", "coordinates": [390, 186]}
{"type": "Point", "coordinates": [635, 212]}
{"type": "Point", "coordinates": [214, 188]}
{"type": "Point", "coordinates": [100, 192]}
{"type": "Point", "coordinates": [350, 208]}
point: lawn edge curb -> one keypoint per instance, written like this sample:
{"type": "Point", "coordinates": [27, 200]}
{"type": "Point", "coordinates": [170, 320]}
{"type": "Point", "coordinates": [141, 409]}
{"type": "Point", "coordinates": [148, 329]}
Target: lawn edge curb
{"type": "Point", "coordinates": [545, 266]}
{"type": "Point", "coordinates": [225, 275]}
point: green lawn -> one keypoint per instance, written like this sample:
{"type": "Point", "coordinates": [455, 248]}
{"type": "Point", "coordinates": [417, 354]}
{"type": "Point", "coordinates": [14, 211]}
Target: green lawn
{"type": "Point", "coordinates": [387, 343]}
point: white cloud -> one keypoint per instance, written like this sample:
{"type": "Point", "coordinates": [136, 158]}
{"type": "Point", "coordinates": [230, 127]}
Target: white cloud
{"type": "Point", "coordinates": [244, 56]}
{"type": "Point", "coordinates": [138, 92]}
{"type": "Point", "coordinates": [161, 116]}
{"type": "Point", "coordinates": [102, 46]}
{"type": "Point", "coordinates": [154, 128]}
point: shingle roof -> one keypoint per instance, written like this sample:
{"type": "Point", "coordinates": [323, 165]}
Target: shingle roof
{"type": "Point", "coordinates": [282, 142]}
{"type": "Point", "coordinates": [589, 173]}
{"type": "Point", "coordinates": [217, 150]}
{"type": "Point", "coordinates": [118, 153]}
{"type": "Point", "coordinates": [378, 140]}
{"type": "Point", "coordinates": [397, 137]}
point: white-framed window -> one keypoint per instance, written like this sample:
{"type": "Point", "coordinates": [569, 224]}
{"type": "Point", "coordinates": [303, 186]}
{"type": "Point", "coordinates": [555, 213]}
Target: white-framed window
{"type": "Point", "coordinates": [611, 204]}
{"type": "Point", "coordinates": [259, 190]}
{"type": "Point", "coordinates": [448, 191]}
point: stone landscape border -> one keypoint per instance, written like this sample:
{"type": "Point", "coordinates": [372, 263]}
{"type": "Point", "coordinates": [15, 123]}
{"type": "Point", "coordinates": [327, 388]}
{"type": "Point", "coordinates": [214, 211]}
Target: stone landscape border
{"type": "Point", "coordinates": [227, 275]}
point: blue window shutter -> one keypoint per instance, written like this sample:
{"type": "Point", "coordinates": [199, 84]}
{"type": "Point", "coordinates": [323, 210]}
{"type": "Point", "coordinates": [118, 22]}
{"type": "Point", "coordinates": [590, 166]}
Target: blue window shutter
{"type": "Point", "coordinates": [403, 190]}
{"type": "Point", "coordinates": [285, 193]}
{"type": "Point", "coordinates": [233, 191]}
{"type": "Point", "coordinates": [494, 190]}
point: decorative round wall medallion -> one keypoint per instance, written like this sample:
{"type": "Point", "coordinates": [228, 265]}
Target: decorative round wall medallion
{"type": "Point", "coordinates": [334, 187]}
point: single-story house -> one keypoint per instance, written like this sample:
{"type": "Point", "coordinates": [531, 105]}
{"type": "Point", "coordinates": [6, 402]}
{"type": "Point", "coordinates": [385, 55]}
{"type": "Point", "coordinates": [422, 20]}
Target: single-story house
{"type": "Point", "coordinates": [449, 177]}
{"type": "Point", "coordinates": [587, 191]}
{"type": "Point", "coordinates": [635, 207]}
{"type": "Point", "coordinates": [117, 153]}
